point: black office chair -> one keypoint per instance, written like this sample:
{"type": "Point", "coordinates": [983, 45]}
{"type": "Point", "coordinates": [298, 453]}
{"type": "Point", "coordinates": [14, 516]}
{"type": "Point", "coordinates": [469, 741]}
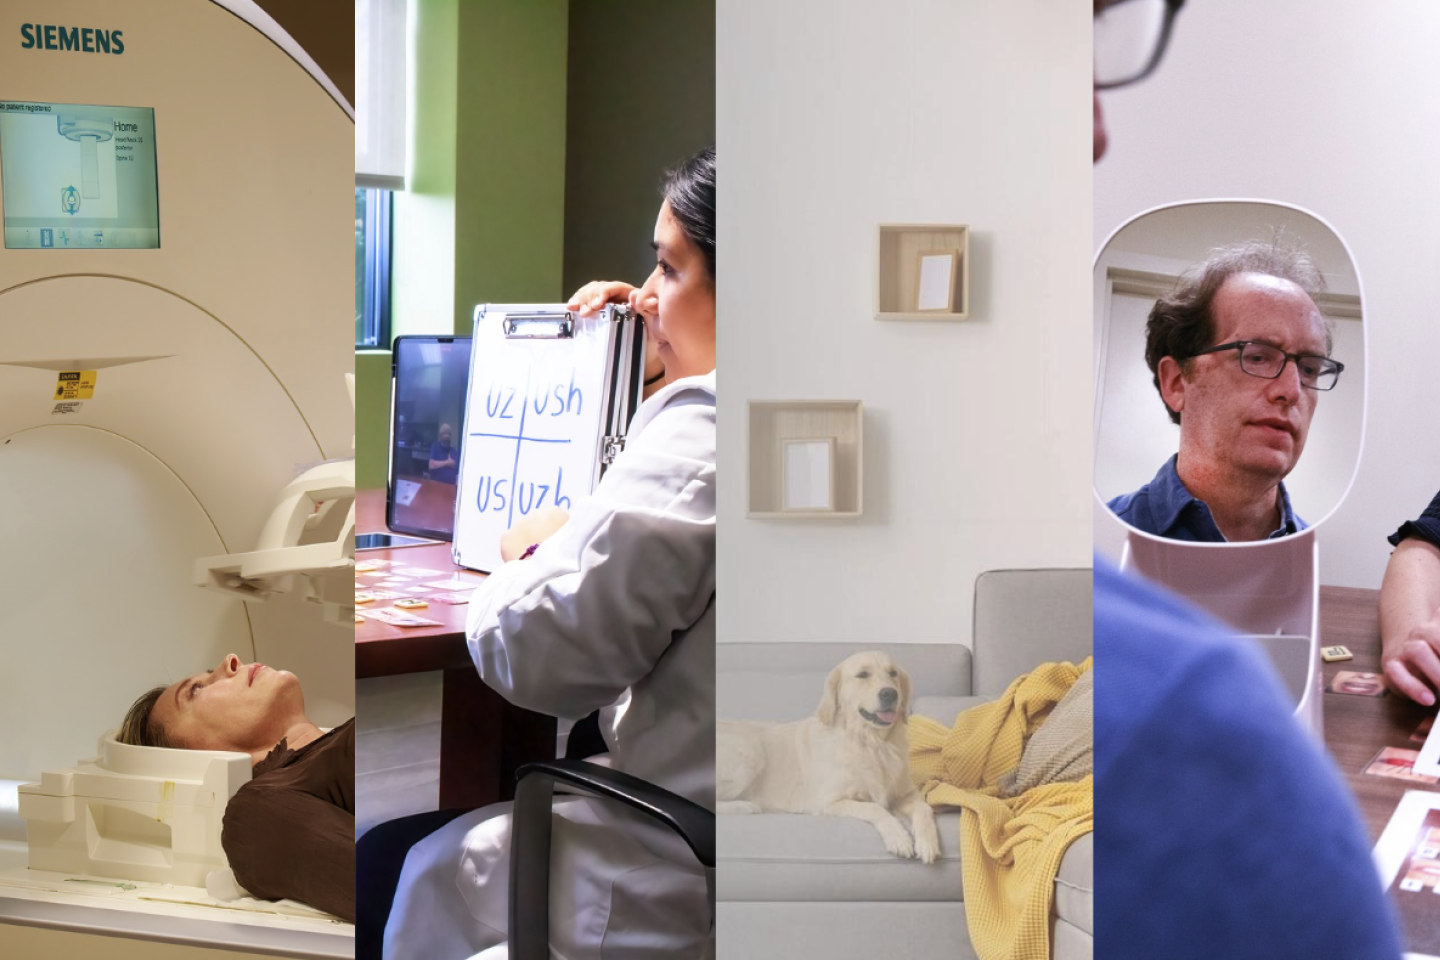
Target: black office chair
{"type": "Point", "coordinates": [380, 854]}
{"type": "Point", "coordinates": [530, 838]}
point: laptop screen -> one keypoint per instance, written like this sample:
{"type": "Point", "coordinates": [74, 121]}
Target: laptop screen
{"type": "Point", "coordinates": [427, 420]}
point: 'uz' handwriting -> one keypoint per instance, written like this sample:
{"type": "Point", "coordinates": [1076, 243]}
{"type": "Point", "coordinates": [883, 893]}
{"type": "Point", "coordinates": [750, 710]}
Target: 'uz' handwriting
{"type": "Point", "coordinates": [534, 482]}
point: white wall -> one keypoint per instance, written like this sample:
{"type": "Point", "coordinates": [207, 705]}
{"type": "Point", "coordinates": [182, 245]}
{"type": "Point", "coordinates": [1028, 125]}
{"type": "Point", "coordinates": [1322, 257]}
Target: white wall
{"type": "Point", "coordinates": [1327, 105]}
{"type": "Point", "coordinates": [834, 117]}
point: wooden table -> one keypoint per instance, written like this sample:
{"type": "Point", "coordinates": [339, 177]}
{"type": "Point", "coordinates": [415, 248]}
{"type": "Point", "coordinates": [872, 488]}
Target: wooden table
{"type": "Point", "coordinates": [1357, 727]}
{"type": "Point", "coordinates": [431, 508]}
{"type": "Point", "coordinates": [483, 738]}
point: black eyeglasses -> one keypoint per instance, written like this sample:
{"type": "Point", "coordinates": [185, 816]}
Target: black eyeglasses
{"type": "Point", "coordinates": [1130, 39]}
{"type": "Point", "coordinates": [1267, 362]}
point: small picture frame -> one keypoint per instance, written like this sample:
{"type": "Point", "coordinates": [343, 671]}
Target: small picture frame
{"type": "Point", "coordinates": [808, 475]}
{"type": "Point", "coordinates": [935, 281]}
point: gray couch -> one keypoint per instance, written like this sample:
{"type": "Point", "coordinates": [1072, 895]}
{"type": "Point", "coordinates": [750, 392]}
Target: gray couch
{"type": "Point", "coordinates": [797, 887]}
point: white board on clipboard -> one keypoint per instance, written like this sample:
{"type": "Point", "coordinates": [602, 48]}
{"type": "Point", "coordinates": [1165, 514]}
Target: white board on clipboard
{"type": "Point", "coordinates": [549, 398]}
{"type": "Point", "coordinates": [1428, 762]}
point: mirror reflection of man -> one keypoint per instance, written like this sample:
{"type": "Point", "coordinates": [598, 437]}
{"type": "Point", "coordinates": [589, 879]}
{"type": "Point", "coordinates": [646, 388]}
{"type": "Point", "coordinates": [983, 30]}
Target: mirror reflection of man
{"type": "Point", "coordinates": [1240, 354]}
{"type": "Point", "coordinates": [443, 457]}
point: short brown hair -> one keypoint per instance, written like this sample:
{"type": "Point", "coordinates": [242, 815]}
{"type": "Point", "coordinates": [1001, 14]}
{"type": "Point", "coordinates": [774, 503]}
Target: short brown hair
{"type": "Point", "coordinates": [1180, 323]}
{"type": "Point", "coordinates": [139, 728]}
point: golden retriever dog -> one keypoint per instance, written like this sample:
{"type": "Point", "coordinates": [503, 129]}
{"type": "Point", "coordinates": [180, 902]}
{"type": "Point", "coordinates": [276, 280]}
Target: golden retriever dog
{"type": "Point", "coordinates": [849, 760]}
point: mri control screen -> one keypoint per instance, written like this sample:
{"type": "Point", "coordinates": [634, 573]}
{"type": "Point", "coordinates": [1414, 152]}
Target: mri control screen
{"type": "Point", "coordinates": [78, 177]}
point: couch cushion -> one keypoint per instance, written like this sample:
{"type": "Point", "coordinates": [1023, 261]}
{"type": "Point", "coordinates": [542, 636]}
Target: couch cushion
{"type": "Point", "coordinates": [777, 856]}
{"type": "Point", "coordinates": [944, 710]}
{"type": "Point", "coordinates": [1075, 886]}
{"type": "Point", "coordinates": [840, 931]}
{"type": "Point", "coordinates": [784, 681]}
{"type": "Point", "coordinates": [787, 857]}
{"type": "Point", "coordinates": [1024, 618]}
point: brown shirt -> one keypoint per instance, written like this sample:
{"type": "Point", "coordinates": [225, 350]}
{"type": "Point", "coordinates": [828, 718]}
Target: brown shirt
{"type": "Point", "coordinates": [290, 832]}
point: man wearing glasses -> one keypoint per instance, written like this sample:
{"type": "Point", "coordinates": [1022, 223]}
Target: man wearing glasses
{"type": "Point", "coordinates": [1240, 355]}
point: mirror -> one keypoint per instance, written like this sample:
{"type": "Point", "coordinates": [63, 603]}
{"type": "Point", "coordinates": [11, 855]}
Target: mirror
{"type": "Point", "coordinates": [1144, 261]}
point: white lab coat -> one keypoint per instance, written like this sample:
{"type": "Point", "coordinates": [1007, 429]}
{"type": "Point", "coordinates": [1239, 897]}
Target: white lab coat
{"type": "Point", "coordinates": [616, 610]}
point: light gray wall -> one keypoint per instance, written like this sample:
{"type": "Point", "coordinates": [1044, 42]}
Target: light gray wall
{"type": "Point", "coordinates": [835, 117]}
{"type": "Point", "coordinates": [1318, 104]}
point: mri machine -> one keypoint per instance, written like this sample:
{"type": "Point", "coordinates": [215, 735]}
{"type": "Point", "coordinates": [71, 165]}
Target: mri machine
{"type": "Point", "coordinates": [174, 315]}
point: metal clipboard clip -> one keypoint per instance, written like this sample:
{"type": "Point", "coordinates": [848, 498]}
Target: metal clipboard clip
{"type": "Point", "coordinates": [539, 326]}
{"type": "Point", "coordinates": [610, 448]}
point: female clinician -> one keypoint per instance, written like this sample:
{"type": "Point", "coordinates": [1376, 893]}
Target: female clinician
{"type": "Point", "coordinates": [612, 608]}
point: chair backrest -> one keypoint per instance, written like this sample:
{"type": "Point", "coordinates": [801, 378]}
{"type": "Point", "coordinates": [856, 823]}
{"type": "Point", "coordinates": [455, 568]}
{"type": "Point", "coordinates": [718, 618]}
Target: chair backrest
{"type": "Point", "coordinates": [1024, 618]}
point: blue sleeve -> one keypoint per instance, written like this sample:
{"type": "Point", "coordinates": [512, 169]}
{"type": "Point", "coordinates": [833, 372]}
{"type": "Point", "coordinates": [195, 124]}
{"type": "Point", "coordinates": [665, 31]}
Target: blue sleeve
{"type": "Point", "coordinates": [1427, 527]}
{"type": "Point", "coordinates": [1222, 829]}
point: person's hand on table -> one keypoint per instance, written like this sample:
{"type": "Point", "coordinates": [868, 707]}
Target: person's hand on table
{"type": "Point", "coordinates": [532, 529]}
{"type": "Point", "coordinates": [1412, 665]}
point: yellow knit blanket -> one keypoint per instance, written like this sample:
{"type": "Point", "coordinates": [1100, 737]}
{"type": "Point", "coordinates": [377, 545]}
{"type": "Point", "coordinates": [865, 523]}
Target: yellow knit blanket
{"type": "Point", "coordinates": [1010, 848]}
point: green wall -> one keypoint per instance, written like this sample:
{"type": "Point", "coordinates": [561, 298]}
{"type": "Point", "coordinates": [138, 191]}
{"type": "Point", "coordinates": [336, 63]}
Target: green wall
{"type": "Point", "coordinates": [510, 154]}
{"type": "Point", "coordinates": [423, 238]}
{"type": "Point", "coordinates": [372, 418]}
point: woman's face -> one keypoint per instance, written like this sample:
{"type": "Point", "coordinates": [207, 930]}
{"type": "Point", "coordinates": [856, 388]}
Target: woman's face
{"type": "Point", "coordinates": [236, 706]}
{"type": "Point", "coordinates": [678, 302]}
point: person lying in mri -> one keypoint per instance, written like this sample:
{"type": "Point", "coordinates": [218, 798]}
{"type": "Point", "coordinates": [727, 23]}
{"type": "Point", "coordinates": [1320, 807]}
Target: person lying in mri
{"type": "Point", "coordinates": [290, 832]}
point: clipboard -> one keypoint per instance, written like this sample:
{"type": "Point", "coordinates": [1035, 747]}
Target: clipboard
{"type": "Point", "coordinates": [1407, 856]}
{"type": "Point", "coordinates": [549, 399]}
{"type": "Point", "coordinates": [1428, 762]}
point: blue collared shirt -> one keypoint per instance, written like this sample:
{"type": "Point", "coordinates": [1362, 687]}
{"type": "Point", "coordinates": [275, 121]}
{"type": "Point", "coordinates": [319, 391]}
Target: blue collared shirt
{"type": "Point", "coordinates": [1167, 509]}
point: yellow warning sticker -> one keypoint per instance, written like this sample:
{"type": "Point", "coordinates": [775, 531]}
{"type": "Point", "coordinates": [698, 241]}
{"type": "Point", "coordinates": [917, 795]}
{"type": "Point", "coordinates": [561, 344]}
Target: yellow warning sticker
{"type": "Point", "coordinates": [75, 385]}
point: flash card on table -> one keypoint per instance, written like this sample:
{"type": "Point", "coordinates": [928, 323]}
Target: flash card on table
{"type": "Point", "coordinates": [1358, 684]}
{"type": "Point", "coordinates": [1428, 762]}
{"type": "Point", "coordinates": [421, 572]}
{"type": "Point", "coordinates": [381, 615]}
{"type": "Point", "coordinates": [451, 598]}
{"type": "Point", "coordinates": [454, 583]}
{"type": "Point", "coordinates": [410, 603]}
{"type": "Point", "coordinates": [1399, 764]}
{"type": "Point", "coordinates": [399, 619]}
{"type": "Point", "coordinates": [1333, 654]}
{"type": "Point", "coordinates": [370, 566]}
{"type": "Point", "coordinates": [1408, 858]}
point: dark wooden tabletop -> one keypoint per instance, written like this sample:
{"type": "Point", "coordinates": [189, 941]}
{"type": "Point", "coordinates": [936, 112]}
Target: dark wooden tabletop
{"type": "Point", "coordinates": [383, 650]}
{"type": "Point", "coordinates": [1357, 727]}
{"type": "Point", "coordinates": [483, 738]}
